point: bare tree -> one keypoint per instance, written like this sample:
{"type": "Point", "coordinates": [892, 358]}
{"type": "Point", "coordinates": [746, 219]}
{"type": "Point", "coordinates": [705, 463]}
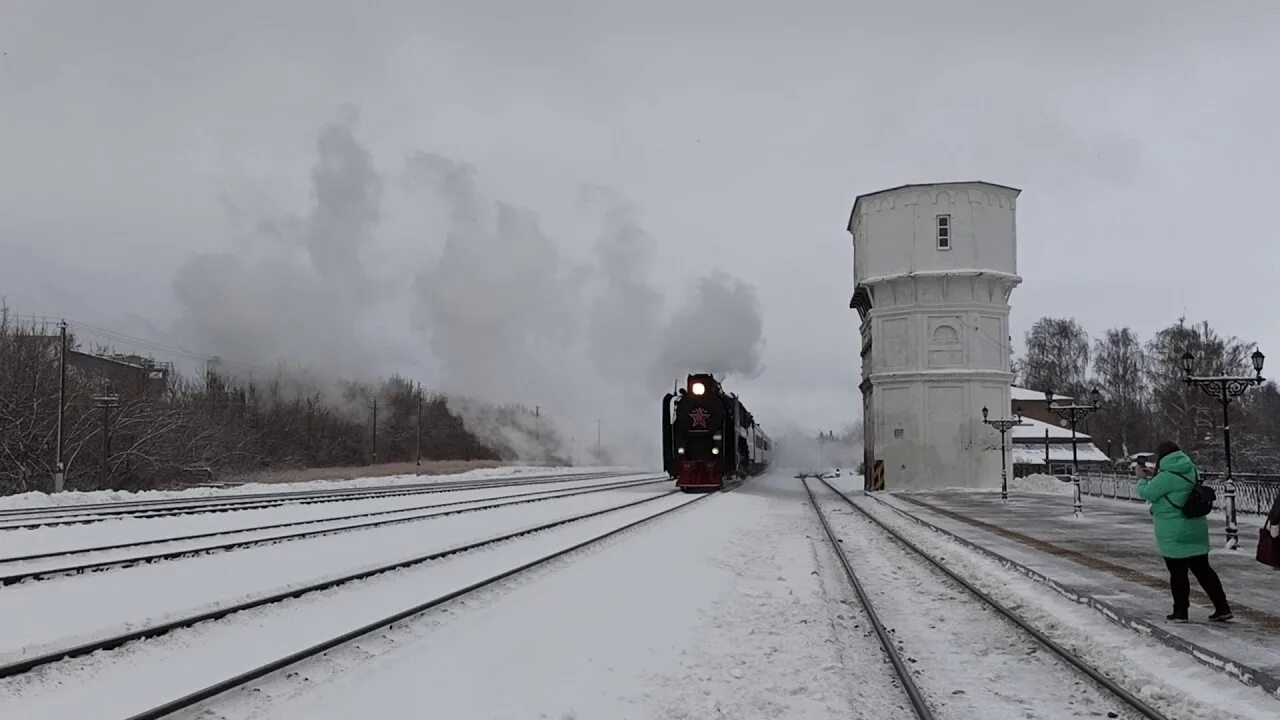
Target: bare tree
{"type": "Point", "coordinates": [1120, 370]}
{"type": "Point", "coordinates": [1057, 356]}
{"type": "Point", "coordinates": [1258, 431]}
{"type": "Point", "coordinates": [221, 424]}
{"type": "Point", "coordinates": [1185, 413]}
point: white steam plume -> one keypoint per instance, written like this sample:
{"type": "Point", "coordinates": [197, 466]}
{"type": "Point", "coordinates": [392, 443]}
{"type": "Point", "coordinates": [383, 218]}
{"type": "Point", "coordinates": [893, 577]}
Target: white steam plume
{"type": "Point", "coordinates": [297, 292]}
{"type": "Point", "coordinates": [495, 308]}
{"type": "Point", "coordinates": [717, 329]}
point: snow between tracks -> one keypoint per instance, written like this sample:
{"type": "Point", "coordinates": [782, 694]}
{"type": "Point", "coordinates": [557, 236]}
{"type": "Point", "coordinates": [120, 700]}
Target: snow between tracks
{"type": "Point", "coordinates": [717, 611]}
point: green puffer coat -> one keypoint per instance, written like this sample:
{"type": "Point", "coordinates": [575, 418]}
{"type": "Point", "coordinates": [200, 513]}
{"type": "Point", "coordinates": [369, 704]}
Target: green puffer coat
{"type": "Point", "coordinates": [1177, 536]}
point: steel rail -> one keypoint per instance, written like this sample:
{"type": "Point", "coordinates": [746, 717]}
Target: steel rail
{"type": "Point", "coordinates": [8, 513]}
{"type": "Point", "coordinates": [1110, 685]}
{"type": "Point", "coordinates": [379, 493]}
{"type": "Point", "coordinates": [299, 523]}
{"type": "Point", "coordinates": [21, 666]}
{"type": "Point", "coordinates": [912, 690]}
{"type": "Point", "coordinates": [45, 573]}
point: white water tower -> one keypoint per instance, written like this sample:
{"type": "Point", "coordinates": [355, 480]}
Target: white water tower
{"type": "Point", "coordinates": [934, 266]}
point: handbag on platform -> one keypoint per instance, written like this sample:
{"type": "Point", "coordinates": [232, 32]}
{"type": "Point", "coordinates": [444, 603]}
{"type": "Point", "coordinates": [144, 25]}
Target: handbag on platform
{"type": "Point", "coordinates": [1268, 547]}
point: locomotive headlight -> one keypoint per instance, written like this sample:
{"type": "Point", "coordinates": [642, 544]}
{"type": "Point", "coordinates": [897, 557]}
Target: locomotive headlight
{"type": "Point", "coordinates": [680, 450]}
{"type": "Point", "coordinates": [699, 389]}
{"type": "Point", "coordinates": [717, 437]}
{"type": "Point", "coordinates": [715, 451]}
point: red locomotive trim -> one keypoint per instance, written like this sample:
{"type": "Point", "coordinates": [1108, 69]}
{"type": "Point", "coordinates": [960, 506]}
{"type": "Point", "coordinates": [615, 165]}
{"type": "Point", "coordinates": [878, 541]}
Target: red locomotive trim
{"type": "Point", "coordinates": [699, 474]}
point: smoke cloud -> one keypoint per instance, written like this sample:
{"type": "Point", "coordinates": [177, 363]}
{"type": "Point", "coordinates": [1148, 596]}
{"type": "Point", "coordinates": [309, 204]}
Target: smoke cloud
{"type": "Point", "coordinates": [497, 311]}
{"type": "Point", "coordinates": [499, 304]}
{"type": "Point", "coordinates": [798, 448]}
{"type": "Point", "coordinates": [717, 329]}
{"type": "Point", "coordinates": [296, 291]}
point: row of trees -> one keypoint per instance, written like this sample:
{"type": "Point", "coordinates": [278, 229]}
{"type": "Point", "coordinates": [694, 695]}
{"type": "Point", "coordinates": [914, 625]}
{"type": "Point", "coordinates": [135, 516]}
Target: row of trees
{"type": "Point", "coordinates": [169, 429]}
{"type": "Point", "coordinates": [1145, 398]}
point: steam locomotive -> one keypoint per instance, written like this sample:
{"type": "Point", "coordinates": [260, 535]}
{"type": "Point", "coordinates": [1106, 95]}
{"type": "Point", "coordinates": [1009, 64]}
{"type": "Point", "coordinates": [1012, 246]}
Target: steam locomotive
{"type": "Point", "coordinates": [709, 438]}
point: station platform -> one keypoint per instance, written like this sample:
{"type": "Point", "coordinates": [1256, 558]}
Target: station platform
{"type": "Point", "coordinates": [1108, 559]}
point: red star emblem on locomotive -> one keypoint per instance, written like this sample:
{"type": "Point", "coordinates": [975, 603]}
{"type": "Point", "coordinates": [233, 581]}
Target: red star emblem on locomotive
{"type": "Point", "coordinates": [699, 417]}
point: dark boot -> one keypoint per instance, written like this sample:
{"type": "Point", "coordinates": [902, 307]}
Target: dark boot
{"type": "Point", "coordinates": [1177, 616]}
{"type": "Point", "coordinates": [1212, 585]}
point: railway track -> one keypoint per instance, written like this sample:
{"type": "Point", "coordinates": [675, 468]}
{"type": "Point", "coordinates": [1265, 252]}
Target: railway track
{"type": "Point", "coordinates": [436, 510]}
{"type": "Point", "coordinates": [240, 669]}
{"type": "Point", "coordinates": [931, 701]}
{"type": "Point", "coordinates": [148, 509]}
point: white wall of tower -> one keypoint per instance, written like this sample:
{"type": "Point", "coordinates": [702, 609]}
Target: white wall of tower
{"type": "Point", "coordinates": [935, 340]}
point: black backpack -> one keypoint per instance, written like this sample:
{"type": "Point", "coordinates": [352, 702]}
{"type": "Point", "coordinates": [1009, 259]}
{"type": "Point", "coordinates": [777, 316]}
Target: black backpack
{"type": "Point", "coordinates": [1200, 502]}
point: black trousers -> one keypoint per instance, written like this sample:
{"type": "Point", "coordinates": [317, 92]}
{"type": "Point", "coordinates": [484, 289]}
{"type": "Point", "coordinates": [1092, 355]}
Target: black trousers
{"type": "Point", "coordinates": [1208, 579]}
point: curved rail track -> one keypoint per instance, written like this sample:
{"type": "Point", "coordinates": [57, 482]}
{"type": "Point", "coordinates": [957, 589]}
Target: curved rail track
{"type": "Point", "coordinates": [489, 503]}
{"type": "Point", "coordinates": [25, 519]}
{"type": "Point", "coordinates": [916, 697]}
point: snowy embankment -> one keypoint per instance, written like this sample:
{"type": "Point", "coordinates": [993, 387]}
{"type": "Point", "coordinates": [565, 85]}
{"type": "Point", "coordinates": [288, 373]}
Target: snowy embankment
{"type": "Point", "coordinates": [1047, 484]}
{"type": "Point", "coordinates": [1172, 682]}
{"type": "Point", "coordinates": [37, 500]}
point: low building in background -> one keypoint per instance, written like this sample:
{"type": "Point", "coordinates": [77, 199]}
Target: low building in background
{"type": "Point", "coordinates": [1043, 448]}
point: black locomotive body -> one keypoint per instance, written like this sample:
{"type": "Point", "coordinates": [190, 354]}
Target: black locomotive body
{"type": "Point", "coordinates": [708, 436]}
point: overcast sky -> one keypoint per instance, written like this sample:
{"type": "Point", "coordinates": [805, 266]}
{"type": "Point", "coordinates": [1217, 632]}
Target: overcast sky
{"type": "Point", "coordinates": [136, 136]}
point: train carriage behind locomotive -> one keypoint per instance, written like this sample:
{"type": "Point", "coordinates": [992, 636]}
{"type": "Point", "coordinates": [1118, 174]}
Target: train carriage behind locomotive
{"type": "Point", "coordinates": [709, 438]}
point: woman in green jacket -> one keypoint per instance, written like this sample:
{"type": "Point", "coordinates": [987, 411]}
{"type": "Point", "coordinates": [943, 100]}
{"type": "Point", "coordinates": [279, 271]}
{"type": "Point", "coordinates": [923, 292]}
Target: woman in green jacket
{"type": "Point", "coordinates": [1183, 541]}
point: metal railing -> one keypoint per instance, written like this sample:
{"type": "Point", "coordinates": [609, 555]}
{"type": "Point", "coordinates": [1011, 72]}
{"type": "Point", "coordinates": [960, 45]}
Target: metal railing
{"type": "Point", "coordinates": [1254, 493]}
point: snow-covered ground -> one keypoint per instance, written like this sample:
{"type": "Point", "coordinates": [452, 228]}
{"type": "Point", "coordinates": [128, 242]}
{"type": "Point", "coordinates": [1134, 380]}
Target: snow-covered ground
{"type": "Point", "coordinates": [147, 673]}
{"type": "Point", "coordinates": [63, 538]}
{"type": "Point", "coordinates": [1167, 679]}
{"type": "Point", "coordinates": [730, 609]}
{"type": "Point", "coordinates": [63, 610]}
{"type": "Point", "coordinates": [967, 659]}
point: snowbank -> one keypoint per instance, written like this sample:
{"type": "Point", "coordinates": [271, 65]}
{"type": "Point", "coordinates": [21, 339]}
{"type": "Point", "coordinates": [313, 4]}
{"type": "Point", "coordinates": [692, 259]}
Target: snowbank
{"type": "Point", "coordinates": [1041, 484]}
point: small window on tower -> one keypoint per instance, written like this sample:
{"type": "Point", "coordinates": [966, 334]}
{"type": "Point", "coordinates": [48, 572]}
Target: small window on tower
{"type": "Point", "coordinates": [944, 232]}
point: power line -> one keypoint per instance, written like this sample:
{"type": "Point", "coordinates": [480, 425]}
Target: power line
{"type": "Point", "coordinates": [95, 331]}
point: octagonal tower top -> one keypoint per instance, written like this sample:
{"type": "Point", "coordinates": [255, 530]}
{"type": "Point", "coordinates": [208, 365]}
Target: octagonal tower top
{"type": "Point", "coordinates": [934, 229]}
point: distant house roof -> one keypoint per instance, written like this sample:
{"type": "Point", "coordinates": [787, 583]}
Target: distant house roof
{"type": "Point", "coordinates": [1030, 454]}
{"type": "Point", "coordinates": [1021, 393]}
{"type": "Point", "coordinates": [1033, 430]}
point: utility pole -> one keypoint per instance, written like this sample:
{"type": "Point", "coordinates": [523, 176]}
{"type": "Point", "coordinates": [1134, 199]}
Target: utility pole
{"type": "Point", "coordinates": [537, 426]}
{"type": "Point", "coordinates": [60, 471]}
{"type": "Point", "coordinates": [106, 402]}
{"type": "Point", "coordinates": [597, 436]}
{"type": "Point", "coordinates": [375, 431]}
{"type": "Point", "coordinates": [210, 368]}
{"type": "Point", "coordinates": [417, 445]}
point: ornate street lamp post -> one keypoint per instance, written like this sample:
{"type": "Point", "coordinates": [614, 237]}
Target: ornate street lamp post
{"type": "Point", "coordinates": [1073, 414]}
{"type": "Point", "coordinates": [1223, 388]}
{"type": "Point", "coordinates": [1003, 425]}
